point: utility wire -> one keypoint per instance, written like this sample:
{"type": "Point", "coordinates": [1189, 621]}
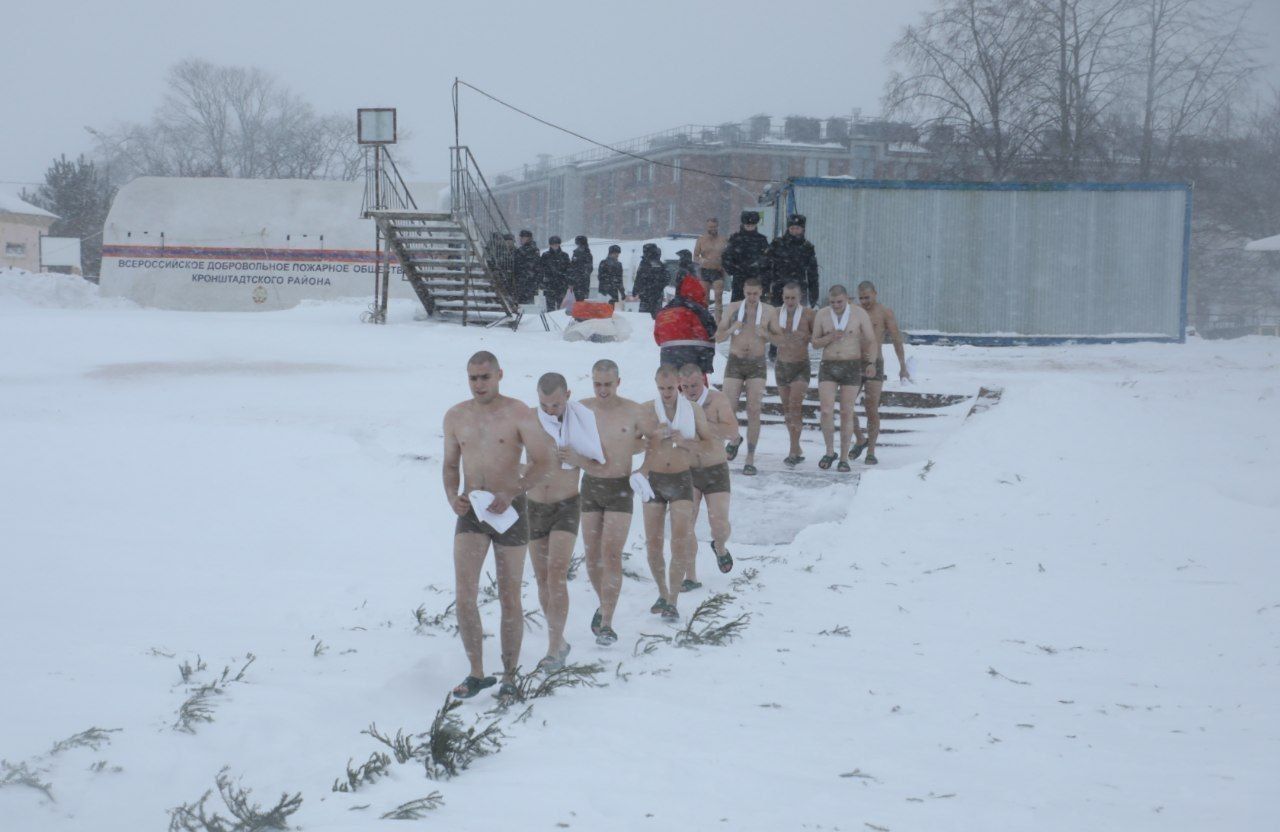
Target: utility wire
{"type": "Point", "coordinates": [681, 168]}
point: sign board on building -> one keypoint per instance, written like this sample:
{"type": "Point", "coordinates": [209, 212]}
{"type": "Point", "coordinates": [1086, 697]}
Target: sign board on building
{"type": "Point", "coordinates": [60, 252]}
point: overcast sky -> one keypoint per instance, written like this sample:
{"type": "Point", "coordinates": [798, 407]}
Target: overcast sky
{"type": "Point", "coordinates": [609, 70]}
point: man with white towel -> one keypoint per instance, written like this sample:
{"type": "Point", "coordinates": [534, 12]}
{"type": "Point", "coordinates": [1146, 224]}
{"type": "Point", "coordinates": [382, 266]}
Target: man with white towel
{"type": "Point", "coordinates": [710, 471]}
{"type": "Point", "coordinates": [672, 427]}
{"type": "Point", "coordinates": [554, 508]}
{"type": "Point", "coordinates": [745, 324]}
{"type": "Point", "coordinates": [483, 440]}
{"type": "Point", "coordinates": [607, 491]}
{"type": "Point", "coordinates": [843, 332]}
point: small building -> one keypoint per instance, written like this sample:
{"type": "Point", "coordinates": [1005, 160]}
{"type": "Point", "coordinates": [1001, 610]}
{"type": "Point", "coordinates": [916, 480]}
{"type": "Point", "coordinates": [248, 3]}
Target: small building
{"type": "Point", "coordinates": [697, 172]}
{"type": "Point", "coordinates": [21, 227]}
{"type": "Point", "coordinates": [242, 244]}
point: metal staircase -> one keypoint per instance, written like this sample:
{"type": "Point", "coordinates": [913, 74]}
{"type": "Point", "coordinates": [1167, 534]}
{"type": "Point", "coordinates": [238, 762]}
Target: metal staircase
{"type": "Point", "coordinates": [459, 263]}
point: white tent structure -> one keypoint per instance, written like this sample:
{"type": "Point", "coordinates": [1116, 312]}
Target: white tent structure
{"type": "Point", "coordinates": [242, 244]}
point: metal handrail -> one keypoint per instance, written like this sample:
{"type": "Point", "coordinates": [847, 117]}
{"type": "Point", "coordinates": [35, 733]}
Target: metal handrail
{"type": "Point", "coordinates": [384, 187]}
{"type": "Point", "coordinates": [477, 211]}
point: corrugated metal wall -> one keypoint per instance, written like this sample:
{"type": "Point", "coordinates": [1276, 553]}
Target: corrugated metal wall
{"type": "Point", "coordinates": [1007, 260]}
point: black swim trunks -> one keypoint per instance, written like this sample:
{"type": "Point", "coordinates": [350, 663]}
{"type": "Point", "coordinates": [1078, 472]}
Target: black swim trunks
{"type": "Point", "coordinates": [789, 372]}
{"type": "Point", "coordinates": [713, 479]}
{"type": "Point", "coordinates": [606, 494]}
{"type": "Point", "coordinates": [517, 535]}
{"type": "Point", "coordinates": [671, 488]}
{"type": "Point", "coordinates": [746, 368]}
{"type": "Point", "coordinates": [842, 371]}
{"type": "Point", "coordinates": [560, 516]}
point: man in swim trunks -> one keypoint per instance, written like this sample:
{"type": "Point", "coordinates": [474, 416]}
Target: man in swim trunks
{"type": "Point", "coordinates": [745, 325]}
{"type": "Point", "coordinates": [710, 470]}
{"type": "Point", "coordinates": [606, 492]}
{"type": "Point", "coordinates": [790, 332]}
{"type": "Point", "coordinates": [882, 321]}
{"type": "Point", "coordinates": [668, 453]}
{"type": "Point", "coordinates": [483, 439]}
{"type": "Point", "coordinates": [553, 527]}
{"type": "Point", "coordinates": [843, 331]}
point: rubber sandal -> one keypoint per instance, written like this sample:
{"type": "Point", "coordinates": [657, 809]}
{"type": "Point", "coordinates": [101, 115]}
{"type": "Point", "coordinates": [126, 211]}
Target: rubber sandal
{"type": "Point", "coordinates": [731, 449]}
{"type": "Point", "coordinates": [670, 613]}
{"type": "Point", "coordinates": [658, 606]}
{"type": "Point", "coordinates": [595, 622]}
{"type": "Point", "coordinates": [607, 637]}
{"type": "Point", "coordinates": [871, 459]}
{"type": "Point", "coordinates": [724, 560]}
{"type": "Point", "coordinates": [857, 449]}
{"type": "Point", "coordinates": [750, 470]}
{"type": "Point", "coordinates": [689, 586]}
{"type": "Point", "coordinates": [791, 461]}
{"type": "Point", "coordinates": [826, 461]}
{"type": "Point", "coordinates": [554, 661]}
{"type": "Point", "coordinates": [506, 692]}
{"type": "Point", "coordinates": [471, 686]}
{"type": "Point", "coordinates": [843, 467]}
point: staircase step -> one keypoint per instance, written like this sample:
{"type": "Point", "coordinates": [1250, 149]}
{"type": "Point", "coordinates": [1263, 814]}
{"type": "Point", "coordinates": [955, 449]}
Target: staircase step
{"type": "Point", "coordinates": [431, 216]}
{"type": "Point", "coordinates": [422, 242]}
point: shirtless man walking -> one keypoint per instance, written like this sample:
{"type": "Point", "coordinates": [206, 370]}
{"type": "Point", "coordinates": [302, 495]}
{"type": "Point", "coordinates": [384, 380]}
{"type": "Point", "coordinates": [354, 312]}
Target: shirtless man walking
{"type": "Point", "coordinates": [791, 332]}
{"type": "Point", "coordinates": [710, 471]}
{"type": "Point", "coordinates": [843, 332]}
{"type": "Point", "coordinates": [484, 437]}
{"type": "Point", "coordinates": [553, 525]}
{"type": "Point", "coordinates": [882, 320]}
{"type": "Point", "coordinates": [606, 492]}
{"type": "Point", "coordinates": [745, 325]}
{"type": "Point", "coordinates": [668, 454]}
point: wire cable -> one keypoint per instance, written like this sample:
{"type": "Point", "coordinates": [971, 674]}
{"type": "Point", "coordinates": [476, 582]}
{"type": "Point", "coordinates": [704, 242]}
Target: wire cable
{"type": "Point", "coordinates": [459, 82]}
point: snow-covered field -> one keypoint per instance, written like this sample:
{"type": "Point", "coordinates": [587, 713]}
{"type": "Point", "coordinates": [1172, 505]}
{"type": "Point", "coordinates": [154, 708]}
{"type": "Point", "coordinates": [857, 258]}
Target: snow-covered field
{"type": "Point", "coordinates": [1062, 613]}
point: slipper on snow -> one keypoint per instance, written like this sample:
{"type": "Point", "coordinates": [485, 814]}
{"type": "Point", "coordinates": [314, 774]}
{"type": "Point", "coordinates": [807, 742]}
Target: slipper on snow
{"type": "Point", "coordinates": [724, 560]}
{"type": "Point", "coordinates": [826, 461]}
{"type": "Point", "coordinates": [857, 449]}
{"type": "Point", "coordinates": [731, 449]}
{"type": "Point", "coordinates": [471, 686]}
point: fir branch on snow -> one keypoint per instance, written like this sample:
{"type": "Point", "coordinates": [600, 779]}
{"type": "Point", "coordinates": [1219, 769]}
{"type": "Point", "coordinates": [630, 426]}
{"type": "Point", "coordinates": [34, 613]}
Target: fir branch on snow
{"type": "Point", "coordinates": [245, 816]}
{"type": "Point", "coordinates": [187, 670]}
{"type": "Point", "coordinates": [633, 575]}
{"type": "Point", "coordinates": [995, 674]}
{"type": "Point", "coordinates": [452, 748]}
{"type": "Point", "coordinates": [939, 569]}
{"type": "Point", "coordinates": [426, 621]}
{"type": "Point", "coordinates": [839, 630]}
{"type": "Point", "coordinates": [574, 565]}
{"type": "Point", "coordinates": [93, 738]}
{"type": "Point", "coordinates": [707, 626]}
{"type": "Point", "coordinates": [198, 707]}
{"type": "Point", "coordinates": [537, 684]}
{"type": "Point", "coordinates": [369, 771]}
{"type": "Point", "coordinates": [746, 577]}
{"type": "Point", "coordinates": [20, 774]}
{"type": "Point", "coordinates": [320, 649]}
{"type": "Point", "coordinates": [533, 620]}
{"type": "Point", "coordinates": [402, 746]}
{"type": "Point", "coordinates": [415, 809]}
{"type": "Point", "coordinates": [924, 472]}
{"type": "Point", "coordinates": [101, 766]}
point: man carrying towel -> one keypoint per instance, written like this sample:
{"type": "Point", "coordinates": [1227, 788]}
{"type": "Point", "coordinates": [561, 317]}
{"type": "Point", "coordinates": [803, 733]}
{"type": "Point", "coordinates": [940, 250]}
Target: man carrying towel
{"type": "Point", "coordinates": [483, 440]}
{"type": "Point", "coordinates": [554, 508]}
{"type": "Point", "coordinates": [843, 332]}
{"type": "Point", "coordinates": [710, 471]}
{"type": "Point", "coordinates": [745, 324]}
{"type": "Point", "coordinates": [672, 427]}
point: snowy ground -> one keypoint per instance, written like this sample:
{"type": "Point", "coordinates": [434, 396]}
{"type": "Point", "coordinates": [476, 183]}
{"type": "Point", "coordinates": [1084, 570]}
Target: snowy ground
{"type": "Point", "coordinates": [1060, 614]}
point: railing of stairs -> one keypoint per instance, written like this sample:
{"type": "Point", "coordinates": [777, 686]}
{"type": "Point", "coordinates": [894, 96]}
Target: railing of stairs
{"type": "Point", "coordinates": [476, 210]}
{"type": "Point", "coordinates": [384, 189]}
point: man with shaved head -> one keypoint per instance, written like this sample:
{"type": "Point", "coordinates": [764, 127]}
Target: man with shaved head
{"type": "Point", "coordinates": [607, 495]}
{"type": "Point", "coordinates": [553, 524]}
{"type": "Point", "coordinates": [710, 470]}
{"type": "Point", "coordinates": [843, 332]}
{"type": "Point", "coordinates": [483, 440]}
{"type": "Point", "coordinates": [883, 322]}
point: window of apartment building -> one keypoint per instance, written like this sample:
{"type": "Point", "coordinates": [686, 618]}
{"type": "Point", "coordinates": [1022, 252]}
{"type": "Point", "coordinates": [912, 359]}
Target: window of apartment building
{"type": "Point", "coordinates": [555, 193]}
{"type": "Point", "coordinates": [671, 216]}
{"type": "Point", "coordinates": [675, 171]}
{"type": "Point", "coordinates": [15, 249]}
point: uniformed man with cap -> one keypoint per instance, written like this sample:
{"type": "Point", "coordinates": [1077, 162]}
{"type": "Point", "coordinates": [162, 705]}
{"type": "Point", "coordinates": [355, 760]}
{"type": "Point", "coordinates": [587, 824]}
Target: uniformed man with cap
{"type": "Point", "coordinates": [555, 274]}
{"type": "Point", "coordinates": [526, 269]}
{"type": "Point", "coordinates": [792, 257]}
{"type": "Point", "coordinates": [745, 254]}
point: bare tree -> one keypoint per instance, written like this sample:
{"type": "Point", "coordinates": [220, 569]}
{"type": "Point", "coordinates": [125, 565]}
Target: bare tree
{"type": "Point", "coordinates": [1195, 58]}
{"type": "Point", "coordinates": [1085, 77]}
{"type": "Point", "coordinates": [231, 121]}
{"type": "Point", "coordinates": [968, 72]}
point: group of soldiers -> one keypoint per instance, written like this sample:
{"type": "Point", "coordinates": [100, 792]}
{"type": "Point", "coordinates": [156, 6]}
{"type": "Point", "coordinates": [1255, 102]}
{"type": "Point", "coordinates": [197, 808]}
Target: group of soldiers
{"type": "Point", "coordinates": [743, 255]}
{"type": "Point", "coordinates": [558, 491]}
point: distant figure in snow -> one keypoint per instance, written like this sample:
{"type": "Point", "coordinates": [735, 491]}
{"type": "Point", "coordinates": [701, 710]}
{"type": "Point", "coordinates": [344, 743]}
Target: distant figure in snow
{"type": "Point", "coordinates": [843, 332]}
{"type": "Point", "coordinates": [555, 274]}
{"type": "Point", "coordinates": [710, 471]}
{"type": "Point", "coordinates": [790, 333]}
{"type": "Point", "coordinates": [483, 440]}
{"type": "Point", "coordinates": [651, 278]}
{"type": "Point", "coordinates": [882, 321]}
{"type": "Point", "coordinates": [745, 325]}
{"type": "Point", "coordinates": [744, 254]}
{"type": "Point", "coordinates": [580, 268]}
{"type": "Point", "coordinates": [527, 269]}
{"type": "Point", "coordinates": [707, 254]}
{"type": "Point", "coordinates": [609, 276]}
{"type": "Point", "coordinates": [792, 257]}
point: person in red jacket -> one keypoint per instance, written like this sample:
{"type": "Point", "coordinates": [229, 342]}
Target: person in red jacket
{"type": "Point", "coordinates": [684, 329]}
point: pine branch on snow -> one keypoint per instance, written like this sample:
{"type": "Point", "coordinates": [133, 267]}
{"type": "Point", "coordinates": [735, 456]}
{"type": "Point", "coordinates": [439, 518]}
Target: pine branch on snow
{"type": "Point", "coordinates": [245, 816]}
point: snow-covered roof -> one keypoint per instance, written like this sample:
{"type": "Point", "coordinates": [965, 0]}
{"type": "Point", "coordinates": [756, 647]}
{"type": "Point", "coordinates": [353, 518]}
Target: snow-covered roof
{"type": "Point", "coordinates": [11, 203]}
{"type": "Point", "coordinates": [1265, 244]}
